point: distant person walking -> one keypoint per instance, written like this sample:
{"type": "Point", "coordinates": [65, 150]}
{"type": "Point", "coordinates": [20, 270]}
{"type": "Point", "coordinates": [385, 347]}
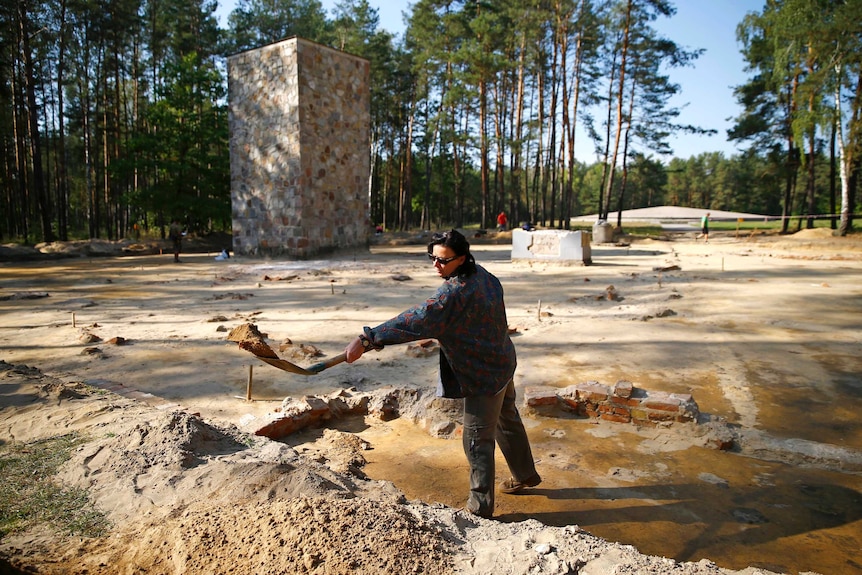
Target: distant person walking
{"type": "Point", "coordinates": [502, 222]}
{"type": "Point", "coordinates": [176, 235]}
{"type": "Point", "coordinates": [704, 227]}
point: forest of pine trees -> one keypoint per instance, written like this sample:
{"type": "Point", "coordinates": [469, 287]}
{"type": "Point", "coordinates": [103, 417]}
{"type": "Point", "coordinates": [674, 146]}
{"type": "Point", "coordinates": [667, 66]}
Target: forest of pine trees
{"type": "Point", "coordinates": [114, 112]}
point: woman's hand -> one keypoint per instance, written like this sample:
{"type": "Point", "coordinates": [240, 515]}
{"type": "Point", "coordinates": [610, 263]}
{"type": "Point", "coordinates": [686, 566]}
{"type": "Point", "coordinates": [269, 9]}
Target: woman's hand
{"type": "Point", "coordinates": [354, 350]}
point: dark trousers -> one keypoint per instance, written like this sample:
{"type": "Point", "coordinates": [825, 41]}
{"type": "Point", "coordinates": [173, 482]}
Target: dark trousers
{"type": "Point", "coordinates": [488, 419]}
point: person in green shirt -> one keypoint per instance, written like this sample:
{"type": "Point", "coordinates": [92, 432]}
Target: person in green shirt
{"type": "Point", "coordinates": [704, 227]}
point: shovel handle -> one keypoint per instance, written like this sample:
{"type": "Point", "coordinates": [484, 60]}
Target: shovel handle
{"type": "Point", "coordinates": [318, 367]}
{"type": "Point", "coordinates": [284, 365]}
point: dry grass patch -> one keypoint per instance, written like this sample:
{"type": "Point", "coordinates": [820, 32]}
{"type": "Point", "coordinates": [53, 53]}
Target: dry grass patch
{"type": "Point", "coordinates": [29, 494]}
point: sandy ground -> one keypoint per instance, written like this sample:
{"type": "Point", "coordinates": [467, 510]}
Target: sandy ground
{"type": "Point", "coordinates": [764, 332]}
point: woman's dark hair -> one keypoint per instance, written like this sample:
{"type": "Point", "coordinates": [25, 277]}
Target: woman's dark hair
{"type": "Point", "coordinates": [455, 241]}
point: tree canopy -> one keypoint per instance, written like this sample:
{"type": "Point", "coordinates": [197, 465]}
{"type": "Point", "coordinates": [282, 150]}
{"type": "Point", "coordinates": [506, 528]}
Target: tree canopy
{"type": "Point", "coordinates": [114, 114]}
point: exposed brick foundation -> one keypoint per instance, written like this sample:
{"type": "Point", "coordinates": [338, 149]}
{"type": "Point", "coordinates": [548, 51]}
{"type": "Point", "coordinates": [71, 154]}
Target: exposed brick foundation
{"type": "Point", "coordinates": [622, 403]}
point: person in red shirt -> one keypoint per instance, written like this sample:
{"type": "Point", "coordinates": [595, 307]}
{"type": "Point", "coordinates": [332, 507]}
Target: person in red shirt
{"type": "Point", "coordinates": [502, 221]}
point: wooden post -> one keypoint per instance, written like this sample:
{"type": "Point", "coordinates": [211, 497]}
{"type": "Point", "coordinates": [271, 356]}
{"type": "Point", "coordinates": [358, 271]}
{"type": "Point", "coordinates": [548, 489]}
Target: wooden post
{"type": "Point", "coordinates": [539, 311]}
{"type": "Point", "coordinates": [248, 385]}
{"type": "Point", "coordinates": [73, 320]}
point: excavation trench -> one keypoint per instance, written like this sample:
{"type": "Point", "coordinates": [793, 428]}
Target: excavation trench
{"type": "Point", "coordinates": [762, 332]}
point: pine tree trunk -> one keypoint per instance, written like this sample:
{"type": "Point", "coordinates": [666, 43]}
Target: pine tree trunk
{"type": "Point", "coordinates": [518, 151]}
{"type": "Point", "coordinates": [35, 139]}
{"type": "Point", "coordinates": [407, 181]}
{"type": "Point", "coordinates": [62, 171]}
{"type": "Point", "coordinates": [483, 152]}
{"type": "Point", "coordinates": [606, 167]}
{"type": "Point", "coordinates": [20, 225]}
{"type": "Point", "coordinates": [612, 158]}
{"type": "Point", "coordinates": [791, 163]}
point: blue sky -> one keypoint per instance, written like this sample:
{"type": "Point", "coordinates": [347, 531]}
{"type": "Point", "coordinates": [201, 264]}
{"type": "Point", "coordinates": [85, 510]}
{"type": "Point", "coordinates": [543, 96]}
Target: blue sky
{"type": "Point", "coordinates": [706, 96]}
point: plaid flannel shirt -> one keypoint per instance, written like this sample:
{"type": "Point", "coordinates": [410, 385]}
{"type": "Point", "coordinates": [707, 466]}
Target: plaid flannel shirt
{"type": "Point", "coordinates": [467, 317]}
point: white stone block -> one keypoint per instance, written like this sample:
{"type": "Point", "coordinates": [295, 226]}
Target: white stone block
{"type": "Point", "coordinates": [554, 245]}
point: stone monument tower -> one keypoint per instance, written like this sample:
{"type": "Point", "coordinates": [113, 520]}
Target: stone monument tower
{"type": "Point", "coordinates": [299, 119]}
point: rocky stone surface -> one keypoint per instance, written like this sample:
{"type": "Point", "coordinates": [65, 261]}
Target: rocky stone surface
{"type": "Point", "coordinates": [299, 161]}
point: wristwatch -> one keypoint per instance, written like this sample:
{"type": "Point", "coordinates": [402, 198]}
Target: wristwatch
{"type": "Point", "coordinates": [366, 343]}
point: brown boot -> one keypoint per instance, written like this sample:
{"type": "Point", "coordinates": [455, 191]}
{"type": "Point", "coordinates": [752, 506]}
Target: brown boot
{"type": "Point", "coordinates": [512, 486]}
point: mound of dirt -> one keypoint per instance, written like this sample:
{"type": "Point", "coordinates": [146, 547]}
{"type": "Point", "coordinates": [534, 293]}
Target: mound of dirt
{"type": "Point", "coordinates": [186, 496]}
{"type": "Point", "coordinates": [299, 535]}
{"type": "Point", "coordinates": [16, 253]}
{"type": "Point", "coordinates": [177, 441]}
{"type": "Point", "coordinates": [213, 242]}
{"type": "Point", "coordinates": [814, 233]}
{"type": "Point", "coordinates": [341, 452]}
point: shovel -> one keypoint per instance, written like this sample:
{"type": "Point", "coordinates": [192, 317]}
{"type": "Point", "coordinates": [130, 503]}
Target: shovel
{"type": "Point", "coordinates": [311, 370]}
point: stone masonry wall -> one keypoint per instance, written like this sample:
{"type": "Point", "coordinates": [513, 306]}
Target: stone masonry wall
{"type": "Point", "coordinates": [299, 118]}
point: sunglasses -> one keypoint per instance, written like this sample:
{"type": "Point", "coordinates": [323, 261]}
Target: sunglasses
{"type": "Point", "coordinates": [442, 261]}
